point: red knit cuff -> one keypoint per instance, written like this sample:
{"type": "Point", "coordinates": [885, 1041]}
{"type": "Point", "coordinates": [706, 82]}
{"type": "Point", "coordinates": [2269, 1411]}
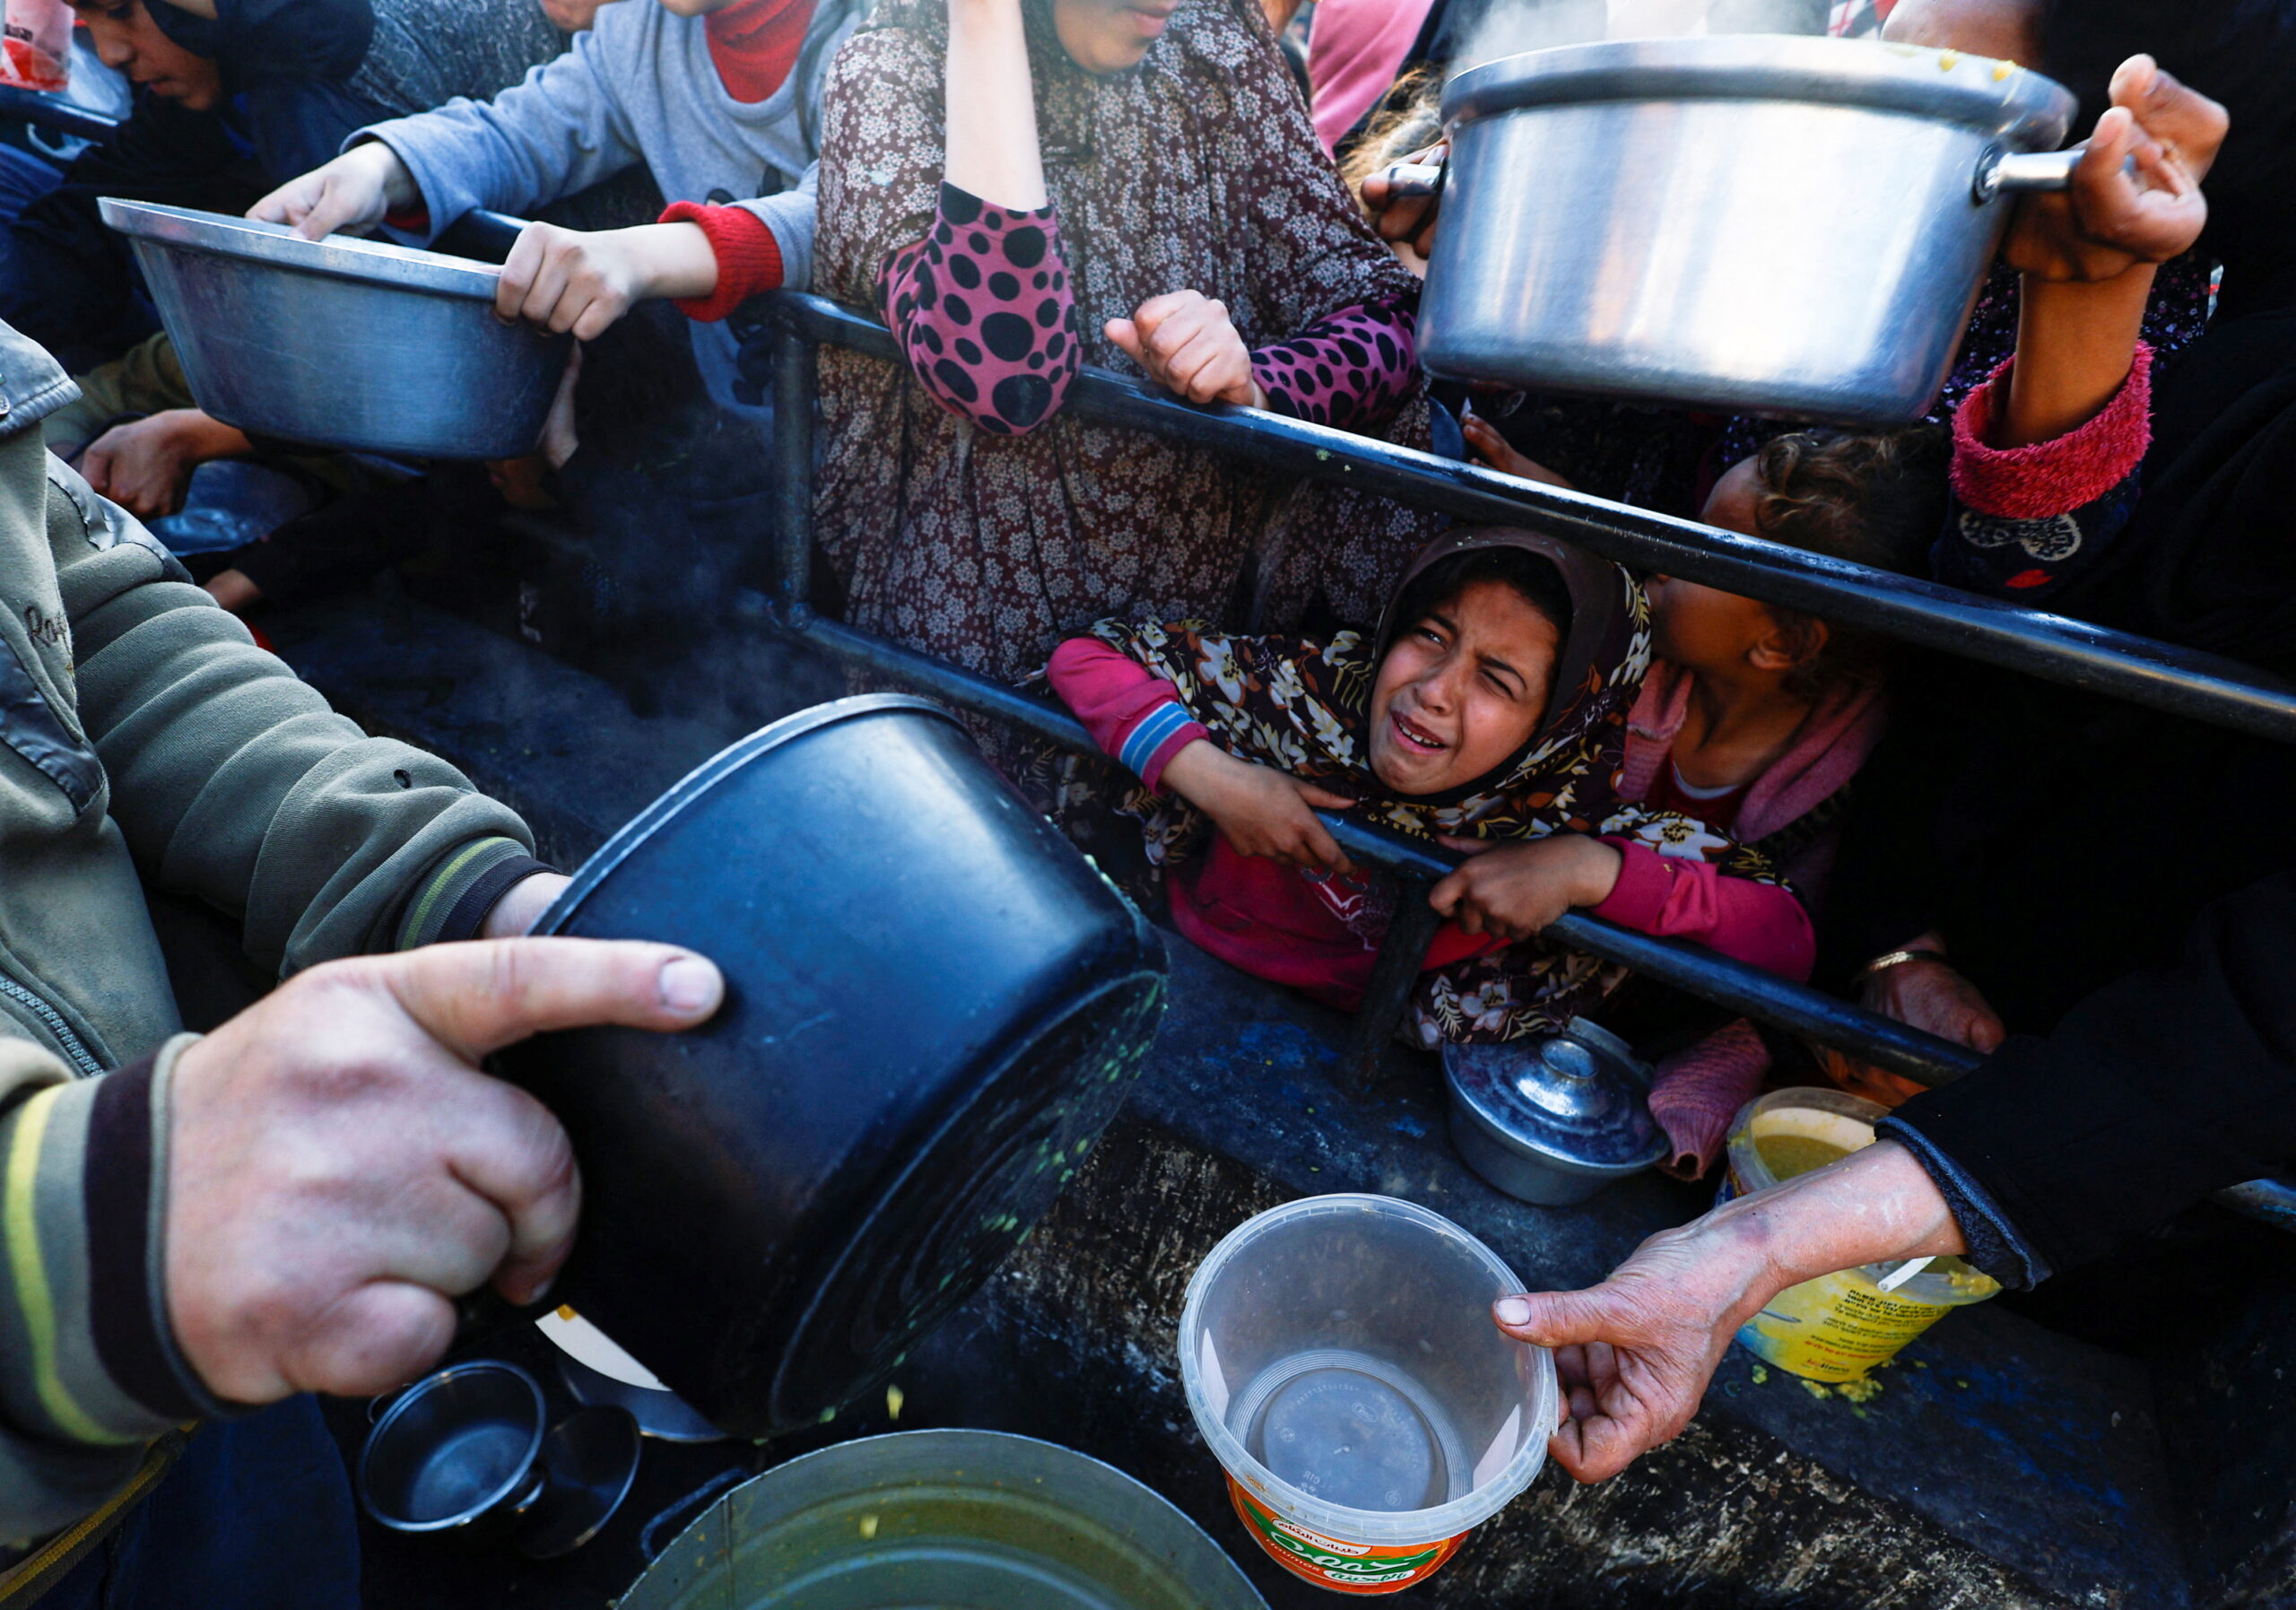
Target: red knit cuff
{"type": "Point", "coordinates": [748, 258]}
{"type": "Point", "coordinates": [2057, 476]}
{"type": "Point", "coordinates": [1638, 899]}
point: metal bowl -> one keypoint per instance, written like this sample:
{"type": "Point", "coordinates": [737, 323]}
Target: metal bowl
{"type": "Point", "coordinates": [944, 1518]}
{"type": "Point", "coordinates": [343, 342]}
{"type": "Point", "coordinates": [1767, 225]}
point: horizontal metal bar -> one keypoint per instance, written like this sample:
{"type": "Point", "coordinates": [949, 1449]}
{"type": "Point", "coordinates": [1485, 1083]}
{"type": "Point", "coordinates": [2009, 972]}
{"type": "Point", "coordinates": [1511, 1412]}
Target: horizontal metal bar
{"type": "Point", "coordinates": [53, 111]}
{"type": "Point", "coordinates": [2202, 686]}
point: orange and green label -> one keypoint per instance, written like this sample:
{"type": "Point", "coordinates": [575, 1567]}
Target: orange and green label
{"type": "Point", "coordinates": [1333, 1563]}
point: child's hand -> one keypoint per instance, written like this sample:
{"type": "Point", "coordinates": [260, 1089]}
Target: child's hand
{"type": "Point", "coordinates": [1188, 345]}
{"type": "Point", "coordinates": [1405, 222]}
{"type": "Point", "coordinates": [583, 280]}
{"type": "Point", "coordinates": [1257, 809]}
{"type": "Point", "coordinates": [1485, 442]}
{"type": "Point", "coordinates": [349, 194]}
{"type": "Point", "coordinates": [1515, 889]}
{"type": "Point", "coordinates": [2112, 219]}
{"type": "Point", "coordinates": [145, 465]}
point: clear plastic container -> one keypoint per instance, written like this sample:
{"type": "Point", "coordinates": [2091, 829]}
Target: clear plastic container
{"type": "Point", "coordinates": [1340, 1359]}
{"type": "Point", "coordinates": [1838, 1327]}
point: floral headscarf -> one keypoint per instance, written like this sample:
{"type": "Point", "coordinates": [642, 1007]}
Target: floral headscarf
{"type": "Point", "coordinates": [1304, 707]}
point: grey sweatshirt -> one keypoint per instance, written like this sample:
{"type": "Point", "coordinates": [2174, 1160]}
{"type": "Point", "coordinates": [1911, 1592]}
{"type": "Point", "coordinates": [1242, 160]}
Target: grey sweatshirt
{"type": "Point", "coordinates": [638, 87]}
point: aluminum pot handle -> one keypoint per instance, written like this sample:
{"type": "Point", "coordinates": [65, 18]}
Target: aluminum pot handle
{"type": "Point", "coordinates": [1999, 170]}
{"type": "Point", "coordinates": [1413, 178]}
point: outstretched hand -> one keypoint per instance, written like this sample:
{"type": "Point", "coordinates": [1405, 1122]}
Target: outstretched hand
{"type": "Point", "coordinates": [1406, 222]}
{"type": "Point", "coordinates": [2136, 196]}
{"type": "Point", "coordinates": [1513, 890]}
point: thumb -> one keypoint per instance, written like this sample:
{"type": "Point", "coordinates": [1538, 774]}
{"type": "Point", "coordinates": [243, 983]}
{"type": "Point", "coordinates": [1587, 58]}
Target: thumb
{"type": "Point", "coordinates": [1556, 1319]}
{"type": "Point", "coordinates": [1125, 334]}
{"type": "Point", "coordinates": [479, 997]}
{"type": "Point", "coordinates": [1324, 799]}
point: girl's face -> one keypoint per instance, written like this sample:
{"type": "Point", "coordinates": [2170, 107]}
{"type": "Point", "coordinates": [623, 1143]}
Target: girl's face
{"type": "Point", "coordinates": [1699, 628]}
{"type": "Point", "coordinates": [1110, 36]}
{"type": "Point", "coordinates": [129, 41]}
{"type": "Point", "coordinates": [1461, 690]}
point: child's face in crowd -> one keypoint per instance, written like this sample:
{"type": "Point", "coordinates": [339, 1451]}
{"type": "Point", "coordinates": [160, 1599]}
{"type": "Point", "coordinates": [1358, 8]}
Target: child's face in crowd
{"type": "Point", "coordinates": [1699, 628]}
{"type": "Point", "coordinates": [1110, 36]}
{"type": "Point", "coordinates": [129, 41]}
{"type": "Point", "coordinates": [1461, 690]}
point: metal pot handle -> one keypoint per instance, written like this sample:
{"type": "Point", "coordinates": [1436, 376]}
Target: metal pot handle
{"type": "Point", "coordinates": [1413, 178]}
{"type": "Point", "coordinates": [1999, 170]}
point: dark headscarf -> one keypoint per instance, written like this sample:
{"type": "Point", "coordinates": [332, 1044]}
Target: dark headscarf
{"type": "Point", "coordinates": [255, 42]}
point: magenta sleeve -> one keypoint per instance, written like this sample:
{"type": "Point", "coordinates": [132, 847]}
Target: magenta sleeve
{"type": "Point", "coordinates": [1353, 367]}
{"type": "Point", "coordinates": [1133, 713]}
{"type": "Point", "coordinates": [2055, 477]}
{"type": "Point", "coordinates": [1674, 897]}
{"type": "Point", "coordinates": [982, 309]}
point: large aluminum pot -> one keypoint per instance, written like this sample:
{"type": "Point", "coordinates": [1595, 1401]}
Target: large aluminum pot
{"type": "Point", "coordinates": [343, 342]}
{"type": "Point", "coordinates": [1767, 225]}
{"type": "Point", "coordinates": [934, 1005]}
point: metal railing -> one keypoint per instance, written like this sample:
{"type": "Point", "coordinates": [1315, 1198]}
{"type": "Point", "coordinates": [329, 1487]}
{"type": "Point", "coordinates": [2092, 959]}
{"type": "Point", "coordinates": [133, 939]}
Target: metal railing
{"type": "Point", "coordinates": [2199, 686]}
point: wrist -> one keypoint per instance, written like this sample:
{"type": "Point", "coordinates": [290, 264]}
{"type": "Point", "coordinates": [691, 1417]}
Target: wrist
{"type": "Point", "coordinates": [1596, 872]}
{"type": "Point", "coordinates": [391, 173]}
{"type": "Point", "coordinates": [1195, 771]}
{"type": "Point", "coordinates": [669, 260]}
{"type": "Point", "coordinates": [200, 436]}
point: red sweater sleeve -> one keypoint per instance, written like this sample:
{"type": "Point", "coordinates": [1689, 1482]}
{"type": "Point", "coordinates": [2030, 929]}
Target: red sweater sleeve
{"type": "Point", "coordinates": [1133, 713]}
{"type": "Point", "coordinates": [1674, 897]}
{"type": "Point", "coordinates": [748, 258]}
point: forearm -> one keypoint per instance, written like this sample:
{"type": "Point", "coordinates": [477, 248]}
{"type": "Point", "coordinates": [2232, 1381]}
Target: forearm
{"type": "Point", "coordinates": [674, 259]}
{"type": "Point", "coordinates": [1352, 369]}
{"type": "Point", "coordinates": [992, 112]}
{"type": "Point", "coordinates": [2076, 341]}
{"type": "Point", "coordinates": [1673, 898]}
{"type": "Point", "coordinates": [1877, 1205]}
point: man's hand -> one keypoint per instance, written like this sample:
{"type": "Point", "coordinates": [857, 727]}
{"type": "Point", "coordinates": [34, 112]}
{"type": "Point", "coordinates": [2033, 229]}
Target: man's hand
{"type": "Point", "coordinates": [2112, 218]}
{"type": "Point", "coordinates": [1406, 222]}
{"type": "Point", "coordinates": [1515, 889]}
{"type": "Point", "coordinates": [1188, 346]}
{"type": "Point", "coordinates": [349, 194]}
{"type": "Point", "coordinates": [581, 281]}
{"type": "Point", "coordinates": [145, 465]}
{"type": "Point", "coordinates": [1257, 809]}
{"type": "Point", "coordinates": [338, 1169]}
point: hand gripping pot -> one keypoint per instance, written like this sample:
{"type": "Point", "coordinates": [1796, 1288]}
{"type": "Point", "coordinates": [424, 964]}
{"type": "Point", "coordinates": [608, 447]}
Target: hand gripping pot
{"type": "Point", "coordinates": [934, 1006]}
{"type": "Point", "coordinates": [1339, 1356]}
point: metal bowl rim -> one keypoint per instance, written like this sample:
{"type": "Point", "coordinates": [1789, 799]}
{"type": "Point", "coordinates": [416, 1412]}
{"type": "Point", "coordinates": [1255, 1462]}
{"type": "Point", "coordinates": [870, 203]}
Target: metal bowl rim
{"type": "Point", "coordinates": [596, 1411]}
{"type": "Point", "coordinates": [375, 263]}
{"type": "Point", "coordinates": [408, 1395]}
{"type": "Point", "coordinates": [634, 833]}
{"type": "Point", "coordinates": [2024, 107]}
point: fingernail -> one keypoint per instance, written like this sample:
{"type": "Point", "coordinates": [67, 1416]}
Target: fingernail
{"type": "Point", "coordinates": [1513, 1310]}
{"type": "Point", "coordinates": [689, 985]}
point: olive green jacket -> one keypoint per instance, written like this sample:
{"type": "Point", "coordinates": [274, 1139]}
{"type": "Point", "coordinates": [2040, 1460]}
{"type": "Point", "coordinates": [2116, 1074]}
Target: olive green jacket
{"type": "Point", "coordinates": [145, 739]}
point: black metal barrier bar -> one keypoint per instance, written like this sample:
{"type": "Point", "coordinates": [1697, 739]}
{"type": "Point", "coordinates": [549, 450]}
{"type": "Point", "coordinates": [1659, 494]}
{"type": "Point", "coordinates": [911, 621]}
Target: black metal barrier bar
{"type": "Point", "coordinates": [53, 111]}
{"type": "Point", "coordinates": [2202, 686]}
{"type": "Point", "coordinates": [2145, 672]}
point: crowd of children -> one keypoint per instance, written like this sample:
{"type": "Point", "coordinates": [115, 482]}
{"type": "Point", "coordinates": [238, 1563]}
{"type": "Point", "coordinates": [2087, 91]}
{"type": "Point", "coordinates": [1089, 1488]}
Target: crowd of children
{"type": "Point", "coordinates": [1018, 189]}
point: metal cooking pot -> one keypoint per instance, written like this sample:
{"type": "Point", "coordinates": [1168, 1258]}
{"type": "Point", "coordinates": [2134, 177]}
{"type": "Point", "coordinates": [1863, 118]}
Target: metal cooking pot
{"type": "Point", "coordinates": [933, 1006]}
{"type": "Point", "coordinates": [343, 342]}
{"type": "Point", "coordinates": [943, 1518]}
{"type": "Point", "coordinates": [1767, 225]}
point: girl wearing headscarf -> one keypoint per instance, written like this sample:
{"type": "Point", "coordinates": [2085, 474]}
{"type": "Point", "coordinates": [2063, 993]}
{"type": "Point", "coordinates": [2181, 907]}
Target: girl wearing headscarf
{"type": "Point", "coordinates": [1022, 187]}
{"type": "Point", "coordinates": [1488, 713]}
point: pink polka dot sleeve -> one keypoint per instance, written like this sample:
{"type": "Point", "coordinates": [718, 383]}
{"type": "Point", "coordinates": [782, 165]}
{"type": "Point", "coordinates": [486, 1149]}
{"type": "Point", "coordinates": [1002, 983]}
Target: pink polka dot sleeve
{"type": "Point", "coordinates": [984, 312]}
{"type": "Point", "coordinates": [1350, 369]}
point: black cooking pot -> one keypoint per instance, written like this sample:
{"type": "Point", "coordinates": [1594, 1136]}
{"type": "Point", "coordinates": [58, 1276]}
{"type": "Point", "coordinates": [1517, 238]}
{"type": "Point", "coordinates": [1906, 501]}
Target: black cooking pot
{"type": "Point", "coordinates": [934, 1006]}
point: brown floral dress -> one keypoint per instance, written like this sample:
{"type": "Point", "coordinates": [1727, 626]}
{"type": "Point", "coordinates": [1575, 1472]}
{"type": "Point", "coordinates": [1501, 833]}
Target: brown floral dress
{"type": "Point", "coordinates": [1197, 171]}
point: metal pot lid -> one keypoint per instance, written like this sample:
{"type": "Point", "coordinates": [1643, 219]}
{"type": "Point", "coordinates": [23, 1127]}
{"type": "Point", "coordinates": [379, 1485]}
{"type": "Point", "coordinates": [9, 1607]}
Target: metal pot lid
{"type": "Point", "coordinates": [1575, 1101]}
{"type": "Point", "coordinates": [272, 245]}
{"type": "Point", "coordinates": [2013, 104]}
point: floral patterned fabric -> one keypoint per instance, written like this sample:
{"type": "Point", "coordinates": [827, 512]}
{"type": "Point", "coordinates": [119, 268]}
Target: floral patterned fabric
{"type": "Point", "coordinates": [1304, 706]}
{"type": "Point", "coordinates": [1195, 171]}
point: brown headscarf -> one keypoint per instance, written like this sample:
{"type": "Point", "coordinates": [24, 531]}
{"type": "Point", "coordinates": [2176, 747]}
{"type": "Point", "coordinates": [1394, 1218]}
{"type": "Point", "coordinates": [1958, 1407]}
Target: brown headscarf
{"type": "Point", "coordinates": [1195, 171]}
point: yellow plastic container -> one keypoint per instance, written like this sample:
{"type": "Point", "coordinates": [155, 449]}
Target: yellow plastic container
{"type": "Point", "coordinates": [1839, 1325]}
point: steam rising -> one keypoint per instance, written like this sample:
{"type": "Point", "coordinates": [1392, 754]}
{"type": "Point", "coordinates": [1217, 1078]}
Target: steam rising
{"type": "Point", "coordinates": [1506, 27]}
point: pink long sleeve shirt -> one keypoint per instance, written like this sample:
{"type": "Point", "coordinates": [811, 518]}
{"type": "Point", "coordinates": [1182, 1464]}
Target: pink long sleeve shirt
{"type": "Point", "coordinates": [1320, 933]}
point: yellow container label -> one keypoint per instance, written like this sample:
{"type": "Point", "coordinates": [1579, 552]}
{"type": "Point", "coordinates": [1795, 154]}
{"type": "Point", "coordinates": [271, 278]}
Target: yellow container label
{"type": "Point", "coordinates": [1333, 1563]}
{"type": "Point", "coordinates": [1837, 1326]}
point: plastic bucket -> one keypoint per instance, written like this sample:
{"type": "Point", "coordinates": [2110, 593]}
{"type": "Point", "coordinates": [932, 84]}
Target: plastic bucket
{"type": "Point", "coordinates": [1839, 1325]}
{"type": "Point", "coordinates": [1339, 1357]}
